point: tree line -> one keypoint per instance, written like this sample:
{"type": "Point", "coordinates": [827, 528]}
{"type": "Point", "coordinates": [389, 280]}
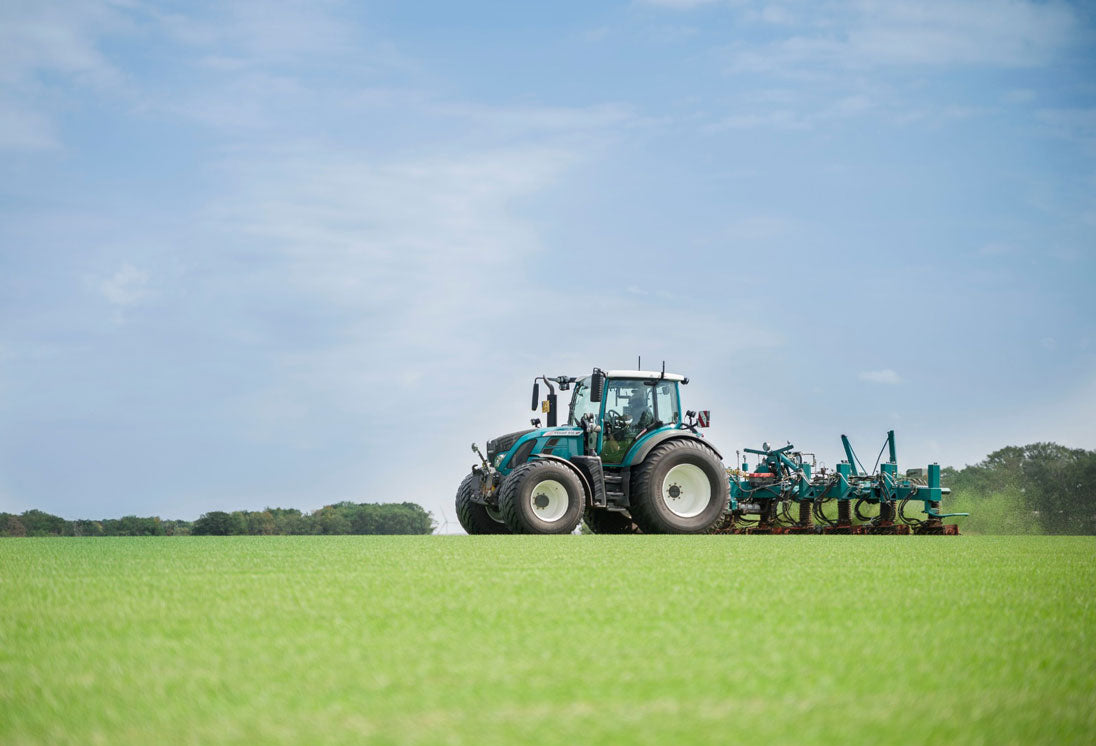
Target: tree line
{"type": "Point", "coordinates": [1038, 488]}
{"type": "Point", "coordinates": [340, 518]}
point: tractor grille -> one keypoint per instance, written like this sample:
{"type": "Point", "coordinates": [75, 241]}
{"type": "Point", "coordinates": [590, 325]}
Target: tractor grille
{"type": "Point", "coordinates": [503, 443]}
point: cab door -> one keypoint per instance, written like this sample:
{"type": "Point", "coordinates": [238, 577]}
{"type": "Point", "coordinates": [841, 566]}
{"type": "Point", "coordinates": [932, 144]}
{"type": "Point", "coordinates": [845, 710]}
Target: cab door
{"type": "Point", "coordinates": [628, 410]}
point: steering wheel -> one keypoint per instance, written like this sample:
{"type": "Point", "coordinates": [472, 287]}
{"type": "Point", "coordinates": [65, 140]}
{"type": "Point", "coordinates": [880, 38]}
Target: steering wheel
{"type": "Point", "coordinates": [614, 420]}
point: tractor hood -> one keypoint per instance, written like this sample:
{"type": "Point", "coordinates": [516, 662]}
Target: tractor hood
{"type": "Point", "coordinates": [504, 443]}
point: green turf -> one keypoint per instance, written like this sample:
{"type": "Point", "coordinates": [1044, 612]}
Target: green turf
{"type": "Point", "coordinates": [580, 639]}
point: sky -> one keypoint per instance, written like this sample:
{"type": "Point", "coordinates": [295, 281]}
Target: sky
{"type": "Point", "coordinates": [286, 254]}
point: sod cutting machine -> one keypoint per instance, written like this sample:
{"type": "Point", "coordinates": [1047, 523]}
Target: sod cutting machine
{"type": "Point", "coordinates": [781, 495]}
{"type": "Point", "coordinates": [630, 460]}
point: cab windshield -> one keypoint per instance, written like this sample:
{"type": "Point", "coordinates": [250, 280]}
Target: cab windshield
{"type": "Point", "coordinates": [580, 402]}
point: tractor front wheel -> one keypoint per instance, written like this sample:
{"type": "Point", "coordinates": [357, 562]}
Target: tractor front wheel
{"type": "Point", "coordinates": [542, 497]}
{"type": "Point", "coordinates": [476, 518]}
{"type": "Point", "coordinates": [681, 488]}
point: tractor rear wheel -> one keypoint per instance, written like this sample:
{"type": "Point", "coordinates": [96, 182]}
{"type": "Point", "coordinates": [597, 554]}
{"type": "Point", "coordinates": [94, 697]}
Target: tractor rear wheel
{"type": "Point", "coordinates": [609, 522]}
{"type": "Point", "coordinates": [542, 497]}
{"type": "Point", "coordinates": [681, 488]}
{"type": "Point", "coordinates": [475, 517]}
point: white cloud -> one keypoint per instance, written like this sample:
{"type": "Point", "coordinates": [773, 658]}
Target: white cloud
{"type": "Point", "coordinates": [125, 287]}
{"type": "Point", "coordinates": [44, 46]}
{"type": "Point", "coordinates": [777, 14]}
{"type": "Point", "coordinates": [23, 128]}
{"type": "Point", "coordinates": [680, 4]}
{"type": "Point", "coordinates": [781, 119]}
{"type": "Point", "coordinates": [531, 119]}
{"type": "Point", "coordinates": [928, 34]}
{"type": "Point", "coordinates": [777, 110]}
{"type": "Point", "coordinates": [416, 258]}
{"type": "Point", "coordinates": [886, 375]}
{"type": "Point", "coordinates": [60, 37]}
{"type": "Point", "coordinates": [248, 34]}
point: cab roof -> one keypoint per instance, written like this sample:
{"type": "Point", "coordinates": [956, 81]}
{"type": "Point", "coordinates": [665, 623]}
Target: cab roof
{"type": "Point", "coordinates": [644, 374]}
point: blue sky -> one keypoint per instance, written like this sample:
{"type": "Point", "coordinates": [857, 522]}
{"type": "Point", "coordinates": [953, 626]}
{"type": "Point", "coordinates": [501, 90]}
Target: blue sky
{"type": "Point", "coordinates": [291, 253]}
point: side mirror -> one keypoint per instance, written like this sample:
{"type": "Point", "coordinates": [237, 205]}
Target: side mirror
{"type": "Point", "coordinates": [597, 385]}
{"type": "Point", "coordinates": [536, 395]}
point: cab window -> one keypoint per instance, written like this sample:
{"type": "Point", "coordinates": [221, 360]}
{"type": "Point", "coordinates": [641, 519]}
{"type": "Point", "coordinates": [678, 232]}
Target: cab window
{"type": "Point", "coordinates": [667, 408]}
{"type": "Point", "coordinates": [581, 404]}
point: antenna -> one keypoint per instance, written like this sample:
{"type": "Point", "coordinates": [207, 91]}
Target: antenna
{"type": "Point", "coordinates": [639, 362]}
{"type": "Point", "coordinates": [444, 527]}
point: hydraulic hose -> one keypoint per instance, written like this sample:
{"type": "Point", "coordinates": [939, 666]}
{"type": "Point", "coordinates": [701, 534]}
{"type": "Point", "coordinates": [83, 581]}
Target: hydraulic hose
{"type": "Point", "coordinates": [820, 514]}
{"type": "Point", "coordinates": [860, 516]}
{"type": "Point", "coordinates": [905, 519]}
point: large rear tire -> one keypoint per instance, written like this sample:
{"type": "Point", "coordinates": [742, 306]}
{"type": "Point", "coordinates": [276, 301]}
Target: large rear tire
{"type": "Point", "coordinates": [542, 497]}
{"type": "Point", "coordinates": [609, 522]}
{"type": "Point", "coordinates": [681, 488]}
{"type": "Point", "coordinates": [475, 517]}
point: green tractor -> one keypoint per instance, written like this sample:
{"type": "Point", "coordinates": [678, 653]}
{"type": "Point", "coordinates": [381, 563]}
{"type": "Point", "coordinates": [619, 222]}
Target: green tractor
{"type": "Point", "coordinates": [627, 461]}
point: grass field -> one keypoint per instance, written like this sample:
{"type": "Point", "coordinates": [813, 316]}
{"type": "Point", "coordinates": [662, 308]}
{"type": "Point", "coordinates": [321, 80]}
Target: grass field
{"type": "Point", "coordinates": [579, 639]}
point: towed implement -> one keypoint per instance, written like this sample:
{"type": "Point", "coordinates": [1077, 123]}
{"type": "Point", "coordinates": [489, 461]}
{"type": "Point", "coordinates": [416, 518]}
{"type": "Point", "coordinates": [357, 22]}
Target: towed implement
{"type": "Point", "coordinates": [630, 460]}
{"type": "Point", "coordinates": [782, 496]}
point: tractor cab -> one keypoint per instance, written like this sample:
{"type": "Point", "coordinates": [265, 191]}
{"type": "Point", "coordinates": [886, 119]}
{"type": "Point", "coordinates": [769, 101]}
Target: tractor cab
{"type": "Point", "coordinates": [635, 404]}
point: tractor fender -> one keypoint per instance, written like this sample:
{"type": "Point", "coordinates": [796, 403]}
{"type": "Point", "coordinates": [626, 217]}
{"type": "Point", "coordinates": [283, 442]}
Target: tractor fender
{"type": "Point", "coordinates": [639, 451]}
{"type": "Point", "coordinates": [578, 472]}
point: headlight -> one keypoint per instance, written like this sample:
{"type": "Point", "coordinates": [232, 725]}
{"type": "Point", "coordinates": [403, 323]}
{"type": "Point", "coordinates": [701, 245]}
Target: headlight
{"type": "Point", "coordinates": [499, 459]}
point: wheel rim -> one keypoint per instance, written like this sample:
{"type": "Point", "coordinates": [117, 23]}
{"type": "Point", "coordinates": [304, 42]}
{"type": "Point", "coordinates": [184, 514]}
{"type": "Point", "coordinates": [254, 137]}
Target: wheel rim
{"type": "Point", "coordinates": [494, 514]}
{"type": "Point", "coordinates": [548, 500]}
{"type": "Point", "coordinates": [686, 490]}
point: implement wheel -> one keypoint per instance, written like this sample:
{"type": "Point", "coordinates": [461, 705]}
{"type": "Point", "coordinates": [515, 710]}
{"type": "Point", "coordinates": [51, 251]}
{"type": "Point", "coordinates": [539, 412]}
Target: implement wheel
{"type": "Point", "coordinates": [610, 522]}
{"type": "Point", "coordinates": [680, 489]}
{"type": "Point", "coordinates": [476, 518]}
{"type": "Point", "coordinates": [542, 497]}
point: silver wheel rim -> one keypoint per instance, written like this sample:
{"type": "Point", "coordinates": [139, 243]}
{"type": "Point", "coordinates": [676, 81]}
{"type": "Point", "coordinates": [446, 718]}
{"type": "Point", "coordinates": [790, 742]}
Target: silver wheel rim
{"type": "Point", "coordinates": [686, 490]}
{"type": "Point", "coordinates": [548, 500]}
{"type": "Point", "coordinates": [494, 514]}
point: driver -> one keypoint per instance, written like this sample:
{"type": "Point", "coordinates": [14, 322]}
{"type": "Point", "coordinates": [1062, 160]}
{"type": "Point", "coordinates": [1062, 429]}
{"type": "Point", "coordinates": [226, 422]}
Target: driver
{"type": "Point", "coordinates": [638, 411]}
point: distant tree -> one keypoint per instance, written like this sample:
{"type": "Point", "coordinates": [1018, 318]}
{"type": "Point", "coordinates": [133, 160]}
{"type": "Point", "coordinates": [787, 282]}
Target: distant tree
{"type": "Point", "coordinates": [364, 521]}
{"type": "Point", "coordinates": [177, 528]}
{"type": "Point", "coordinates": [1046, 484]}
{"type": "Point", "coordinates": [39, 523]}
{"type": "Point", "coordinates": [330, 520]}
{"type": "Point", "coordinates": [290, 521]}
{"type": "Point", "coordinates": [214, 523]}
{"type": "Point", "coordinates": [132, 525]}
{"type": "Point", "coordinates": [10, 525]}
{"type": "Point", "coordinates": [87, 528]}
{"type": "Point", "coordinates": [239, 522]}
{"type": "Point", "coordinates": [261, 524]}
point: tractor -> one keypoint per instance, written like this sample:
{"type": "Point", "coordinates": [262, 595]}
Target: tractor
{"type": "Point", "coordinates": [628, 460]}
